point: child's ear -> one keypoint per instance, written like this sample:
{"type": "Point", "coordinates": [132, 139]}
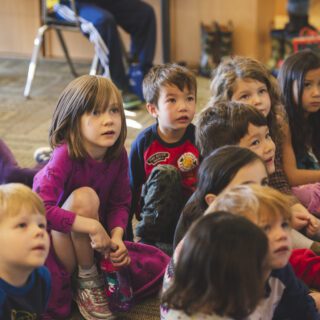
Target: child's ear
{"type": "Point", "coordinates": [152, 109]}
{"type": "Point", "coordinates": [209, 198]}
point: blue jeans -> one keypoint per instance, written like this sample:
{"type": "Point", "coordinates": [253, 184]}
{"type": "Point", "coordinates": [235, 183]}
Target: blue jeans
{"type": "Point", "coordinates": [137, 18]}
{"type": "Point", "coordinates": [298, 7]}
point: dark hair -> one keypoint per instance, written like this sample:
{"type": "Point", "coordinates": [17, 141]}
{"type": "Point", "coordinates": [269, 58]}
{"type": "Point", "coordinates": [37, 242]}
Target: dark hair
{"type": "Point", "coordinates": [84, 95]}
{"type": "Point", "coordinates": [215, 172]}
{"type": "Point", "coordinates": [167, 74]}
{"type": "Point", "coordinates": [221, 267]}
{"type": "Point", "coordinates": [238, 67]}
{"type": "Point", "coordinates": [304, 131]}
{"type": "Point", "coordinates": [224, 123]}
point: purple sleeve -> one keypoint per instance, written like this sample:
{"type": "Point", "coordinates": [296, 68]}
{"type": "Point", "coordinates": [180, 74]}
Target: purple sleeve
{"type": "Point", "coordinates": [49, 183]}
{"type": "Point", "coordinates": [118, 205]}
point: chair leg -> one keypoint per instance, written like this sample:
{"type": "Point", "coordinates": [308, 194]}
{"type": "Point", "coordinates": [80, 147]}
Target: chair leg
{"type": "Point", "coordinates": [94, 65]}
{"type": "Point", "coordinates": [66, 53]}
{"type": "Point", "coordinates": [33, 63]}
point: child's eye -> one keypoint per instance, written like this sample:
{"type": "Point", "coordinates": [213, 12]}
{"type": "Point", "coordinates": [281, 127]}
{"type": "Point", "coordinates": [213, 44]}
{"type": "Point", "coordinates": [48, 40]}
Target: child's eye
{"type": "Point", "coordinates": [244, 97]}
{"type": "Point", "coordinates": [285, 225]}
{"type": "Point", "coordinates": [307, 84]}
{"type": "Point", "coordinates": [96, 112]}
{"type": "Point", "coordinates": [21, 225]}
{"type": "Point", "coordinates": [171, 100]}
{"type": "Point", "coordinates": [115, 110]}
{"type": "Point", "coordinates": [264, 90]}
{"type": "Point", "coordinates": [255, 142]}
{"type": "Point", "coordinates": [42, 226]}
{"type": "Point", "coordinates": [191, 98]}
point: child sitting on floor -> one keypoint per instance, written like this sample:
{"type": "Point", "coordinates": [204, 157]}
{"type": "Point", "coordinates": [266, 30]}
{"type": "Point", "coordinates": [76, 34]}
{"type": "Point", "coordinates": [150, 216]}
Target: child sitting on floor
{"type": "Point", "coordinates": [286, 297]}
{"type": "Point", "coordinates": [164, 152]}
{"type": "Point", "coordinates": [24, 282]}
{"type": "Point", "coordinates": [221, 270]}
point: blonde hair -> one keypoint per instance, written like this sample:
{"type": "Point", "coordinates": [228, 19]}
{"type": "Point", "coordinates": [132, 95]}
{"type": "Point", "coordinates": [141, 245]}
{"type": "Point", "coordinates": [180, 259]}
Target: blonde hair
{"type": "Point", "coordinates": [253, 201]}
{"type": "Point", "coordinates": [84, 95]}
{"type": "Point", "coordinates": [15, 196]}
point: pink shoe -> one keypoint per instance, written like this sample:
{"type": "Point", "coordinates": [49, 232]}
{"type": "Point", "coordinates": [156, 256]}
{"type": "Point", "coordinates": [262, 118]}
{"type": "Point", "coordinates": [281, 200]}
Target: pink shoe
{"type": "Point", "coordinates": [91, 299]}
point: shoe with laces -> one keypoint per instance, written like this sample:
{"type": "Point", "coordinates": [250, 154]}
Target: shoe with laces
{"type": "Point", "coordinates": [130, 100]}
{"type": "Point", "coordinates": [91, 298]}
{"type": "Point", "coordinates": [42, 155]}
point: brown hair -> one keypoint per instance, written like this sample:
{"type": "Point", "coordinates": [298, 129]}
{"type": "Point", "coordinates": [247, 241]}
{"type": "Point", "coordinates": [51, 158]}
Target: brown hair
{"type": "Point", "coordinates": [15, 196]}
{"type": "Point", "coordinates": [238, 67]}
{"type": "Point", "coordinates": [84, 95]}
{"type": "Point", "coordinates": [249, 200]}
{"type": "Point", "coordinates": [221, 267]}
{"type": "Point", "coordinates": [167, 74]}
{"type": "Point", "coordinates": [225, 123]}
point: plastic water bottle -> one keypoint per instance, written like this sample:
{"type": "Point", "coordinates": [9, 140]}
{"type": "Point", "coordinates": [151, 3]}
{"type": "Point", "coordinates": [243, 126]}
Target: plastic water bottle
{"type": "Point", "coordinates": [118, 289]}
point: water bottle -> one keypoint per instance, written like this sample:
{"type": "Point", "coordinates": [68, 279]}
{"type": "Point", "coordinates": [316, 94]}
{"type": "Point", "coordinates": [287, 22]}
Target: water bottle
{"type": "Point", "coordinates": [118, 289]}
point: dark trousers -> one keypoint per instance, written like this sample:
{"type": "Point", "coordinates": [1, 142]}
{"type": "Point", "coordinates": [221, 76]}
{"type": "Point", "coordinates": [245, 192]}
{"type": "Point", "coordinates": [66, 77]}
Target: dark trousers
{"type": "Point", "coordinates": [137, 18]}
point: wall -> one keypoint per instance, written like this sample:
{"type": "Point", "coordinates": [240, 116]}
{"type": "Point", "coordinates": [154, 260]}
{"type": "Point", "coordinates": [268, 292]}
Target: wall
{"type": "Point", "coordinates": [252, 20]}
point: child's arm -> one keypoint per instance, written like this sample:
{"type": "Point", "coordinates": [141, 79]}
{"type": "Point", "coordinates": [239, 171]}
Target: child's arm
{"type": "Point", "coordinates": [100, 239]}
{"type": "Point", "coordinates": [295, 176]}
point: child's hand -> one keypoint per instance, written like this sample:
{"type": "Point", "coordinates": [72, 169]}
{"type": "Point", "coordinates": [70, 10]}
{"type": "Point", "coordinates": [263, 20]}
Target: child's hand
{"type": "Point", "coordinates": [300, 216]}
{"type": "Point", "coordinates": [119, 253]}
{"type": "Point", "coordinates": [100, 239]}
{"type": "Point", "coordinates": [119, 257]}
{"type": "Point", "coordinates": [313, 226]}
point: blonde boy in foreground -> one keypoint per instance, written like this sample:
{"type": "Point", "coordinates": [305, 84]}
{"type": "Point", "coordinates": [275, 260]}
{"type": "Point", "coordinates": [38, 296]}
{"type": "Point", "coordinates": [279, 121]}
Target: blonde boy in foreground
{"type": "Point", "coordinates": [24, 242]}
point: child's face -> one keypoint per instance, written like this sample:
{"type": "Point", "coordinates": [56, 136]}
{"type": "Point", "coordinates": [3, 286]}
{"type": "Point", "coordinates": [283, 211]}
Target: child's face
{"type": "Point", "coordinates": [101, 130]}
{"type": "Point", "coordinates": [311, 92]}
{"type": "Point", "coordinates": [258, 140]}
{"type": "Point", "coordinates": [254, 172]}
{"type": "Point", "coordinates": [254, 93]}
{"type": "Point", "coordinates": [24, 241]}
{"type": "Point", "coordinates": [175, 110]}
{"type": "Point", "coordinates": [278, 232]}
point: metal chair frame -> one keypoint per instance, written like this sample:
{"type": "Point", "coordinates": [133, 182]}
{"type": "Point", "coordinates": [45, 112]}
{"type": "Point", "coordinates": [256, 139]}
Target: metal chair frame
{"type": "Point", "coordinates": [50, 22]}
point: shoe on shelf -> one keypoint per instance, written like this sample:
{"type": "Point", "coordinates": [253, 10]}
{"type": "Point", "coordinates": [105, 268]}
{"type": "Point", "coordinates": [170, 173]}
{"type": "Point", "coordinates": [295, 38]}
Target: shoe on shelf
{"type": "Point", "coordinates": [91, 298]}
{"type": "Point", "coordinates": [130, 100]}
{"type": "Point", "coordinates": [42, 155]}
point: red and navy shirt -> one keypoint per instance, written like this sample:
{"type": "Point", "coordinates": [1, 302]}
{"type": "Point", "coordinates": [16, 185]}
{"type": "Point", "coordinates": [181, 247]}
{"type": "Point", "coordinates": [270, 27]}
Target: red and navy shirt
{"type": "Point", "coordinates": [149, 150]}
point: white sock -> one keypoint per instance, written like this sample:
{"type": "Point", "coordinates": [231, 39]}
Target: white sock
{"type": "Point", "coordinates": [87, 272]}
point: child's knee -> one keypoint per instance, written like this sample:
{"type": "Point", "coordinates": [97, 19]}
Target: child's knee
{"type": "Point", "coordinates": [84, 202]}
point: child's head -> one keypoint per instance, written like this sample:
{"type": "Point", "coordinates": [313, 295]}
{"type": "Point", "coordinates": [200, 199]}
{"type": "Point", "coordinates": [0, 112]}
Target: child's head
{"type": "Point", "coordinates": [266, 207]}
{"type": "Point", "coordinates": [80, 117]}
{"type": "Point", "coordinates": [222, 169]}
{"type": "Point", "coordinates": [299, 79]}
{"type": "Point", "coordinates": [167, 75]}
{"type": "Point", "coordinates": [221, 267]}
{"type": "Point", "coordinates": [248, 81]}
{"type": "Point", "coordinates": [231, 75]}
{"type": "Point", "coordinates": [24, 240]}
{"type": "Point", "coordinates": [232, 123]}
{"type": "Point", "coordinates": [170, 93]}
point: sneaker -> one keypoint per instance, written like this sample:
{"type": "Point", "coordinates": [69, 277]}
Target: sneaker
{"type": "Point", "coordinates": [91, 298]}
{"type": "Point", "coordinates": [42, 155]}
{"type": "Point", "coordinates": [130, 100]}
